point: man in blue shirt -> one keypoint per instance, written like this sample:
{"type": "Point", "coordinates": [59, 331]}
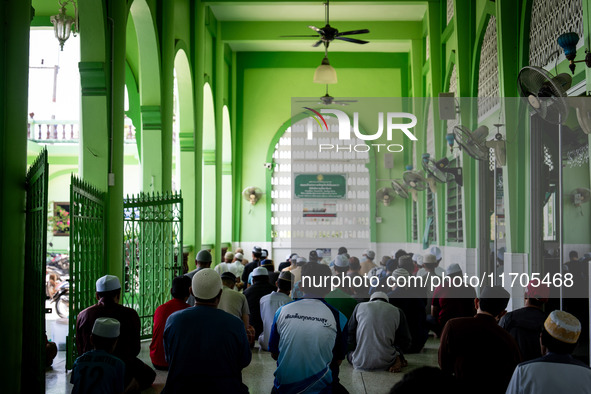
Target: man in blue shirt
{"type": "Point", "coordinates": [206, 348]}
{"type": "Point", "coordinates": [309, 339]}
{"type": "Point", "coordinates": [98, 371]}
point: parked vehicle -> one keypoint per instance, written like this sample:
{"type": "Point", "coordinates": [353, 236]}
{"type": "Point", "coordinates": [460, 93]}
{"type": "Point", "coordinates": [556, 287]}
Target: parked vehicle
{"type": "Point", "coordinates": [61, 298]}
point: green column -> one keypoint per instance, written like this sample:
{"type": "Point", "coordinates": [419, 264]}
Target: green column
{"type": "Point", "coordinates": [218, 96]}
{"type": "Point", "coordinates": [117, 11]}
{"type": "Point", "coordinates": [15, 17]}
{"type": "Point", "coordinates": [198, 54]}
{"type": "Point", "coordinates": [167, 91]}
{"type": "Point", "coordinates": [515, 173]}
{"type": "Point", "coordinates": [94, 69]}
{"type": "Point", "coordinates": [151, 148]}
{"type": "Point", "coordinates": [464, 24]}
{"type": "Point", "coordinates": [436, 62]}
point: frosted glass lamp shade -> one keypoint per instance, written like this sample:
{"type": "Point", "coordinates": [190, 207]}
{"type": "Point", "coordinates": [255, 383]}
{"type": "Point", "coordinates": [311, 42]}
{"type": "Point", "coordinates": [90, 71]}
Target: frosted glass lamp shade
{"type": "Point", "coordinates": [325, 73]}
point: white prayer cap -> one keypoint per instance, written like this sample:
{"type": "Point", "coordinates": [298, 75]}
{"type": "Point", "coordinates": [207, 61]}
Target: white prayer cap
{"type": "Point", "coordinates": [107, 283]}
{"type": "Point", "coordinates": [106, 327]}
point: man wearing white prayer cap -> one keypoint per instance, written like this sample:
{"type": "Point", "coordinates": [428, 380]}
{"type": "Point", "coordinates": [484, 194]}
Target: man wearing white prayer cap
{"type": "Point", "coordinates": [108, 295]}
{"type": "Point", "coordinates": [100, 362]}
{"type": "Point", "coordinates": [556, 371]}
{"type": "Point", "coordinates": [378, 333]}
{"type": "Point", "coordinates": [206, 348]}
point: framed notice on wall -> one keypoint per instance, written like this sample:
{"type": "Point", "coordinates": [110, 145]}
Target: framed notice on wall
{"type": "Point", "coordinates": [320, 186]}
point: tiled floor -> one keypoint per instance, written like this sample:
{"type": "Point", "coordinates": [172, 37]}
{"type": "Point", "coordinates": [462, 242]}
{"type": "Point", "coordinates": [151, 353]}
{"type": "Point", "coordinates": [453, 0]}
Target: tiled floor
{"type": "Point", "coordinates": [258, 376]}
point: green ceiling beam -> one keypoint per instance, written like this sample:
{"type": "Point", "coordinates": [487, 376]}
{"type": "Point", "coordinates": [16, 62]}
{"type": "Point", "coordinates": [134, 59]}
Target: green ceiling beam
{"type": "Point", "coordinates": [312, 60]}
{"type": "Point", "coordinates": [264, 31]}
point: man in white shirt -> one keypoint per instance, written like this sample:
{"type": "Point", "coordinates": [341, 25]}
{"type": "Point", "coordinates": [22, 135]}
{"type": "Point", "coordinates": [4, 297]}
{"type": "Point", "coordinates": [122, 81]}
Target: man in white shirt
{"type": "Point", "coordinates": [271, 302]}
{"type": "Point", "coordinates": [226, 265]}
{"type": "Point", "coordinates": [557, 371]}
{"type": "Point", "coordinates": [233, 301]}
{"type": "Point", "coordinates": [378, 333]}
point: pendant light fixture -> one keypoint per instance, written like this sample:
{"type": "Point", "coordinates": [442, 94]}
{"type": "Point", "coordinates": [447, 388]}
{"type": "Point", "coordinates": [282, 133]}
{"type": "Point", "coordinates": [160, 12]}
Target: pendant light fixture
{"type": "Point", "coordinates": [325, 73]}
{"type": "Point", "coordinates": [64, 24]}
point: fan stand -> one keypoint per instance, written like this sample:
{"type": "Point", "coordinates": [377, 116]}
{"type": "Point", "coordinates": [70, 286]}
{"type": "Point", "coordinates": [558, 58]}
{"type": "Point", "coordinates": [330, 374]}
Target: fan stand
{"type": "Point", "coordinates": [559, 203]}
{"type": "Point", "coordinates": [498, 137]}
{"type": "Point", "coordinates": [414, 195]}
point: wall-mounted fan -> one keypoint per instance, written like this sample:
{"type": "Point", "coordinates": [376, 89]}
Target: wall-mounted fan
{"type": "Point", "coordinates": [544, 92]}
{"type": "Point", "coordinates": [327, 99]}
{"type": "Point", "coordinates": [441, 171]}
{"type": "Point", "coordinates": [472, 142]}
{"type": "Point", "coordinates": [582, 106]}
{"type": "Point", "coordinates": [580, 196]}
{"type": "Point", "coordinates": [328, 33]}
{"type": "Point", "coordinates": [415, 181]}
{"type": "Point", "coordinates": [399, 188]}
{"type": "Point", "coordinates": [385, 195]}
{"type": "Point", "coordinates": [252, 194]}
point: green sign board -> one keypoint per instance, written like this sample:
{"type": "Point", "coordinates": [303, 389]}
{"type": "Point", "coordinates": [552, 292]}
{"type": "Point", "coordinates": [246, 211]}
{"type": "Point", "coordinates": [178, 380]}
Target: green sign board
{"type": "Point", "coordinates": [328, 186]}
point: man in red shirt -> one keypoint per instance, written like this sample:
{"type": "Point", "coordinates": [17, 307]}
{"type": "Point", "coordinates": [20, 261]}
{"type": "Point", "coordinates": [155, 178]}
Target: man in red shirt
{"type": "Point", "coordinates": [138, 376]}
{"type": "Point", "coordinates": [450, 300]}
{"type": "Point", "coordinates": [180, 294]}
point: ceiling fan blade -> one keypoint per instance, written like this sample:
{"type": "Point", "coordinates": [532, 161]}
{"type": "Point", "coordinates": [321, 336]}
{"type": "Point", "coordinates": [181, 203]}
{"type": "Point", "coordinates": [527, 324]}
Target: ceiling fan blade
{"type": "Point", "coordinates": [353, 40]}
{"type": "Point", "coordinates": [311, 35]}
{"type": "Point", "coordinates": [351, 32]}
{"type": "Point", "coordinates": [316, 29]}
{"type": "Point", "coordinates": [347, 101]}
{"type": "Point", "coordinates": [317, 43]}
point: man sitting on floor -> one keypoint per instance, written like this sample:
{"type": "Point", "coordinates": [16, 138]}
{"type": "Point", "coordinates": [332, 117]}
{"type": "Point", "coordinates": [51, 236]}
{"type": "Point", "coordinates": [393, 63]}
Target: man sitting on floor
{"type": "Point", "coordinates": [450, 301]}
{"type": "Point", "coordinates": [205, 347]}
{"type": "Point", "coordinates": [308, 339]}
{"type": "Point", "coordinates": [525, 324]}
{"type": "Point", "coordinates": [235, 303]}
{"type": "Point", "coordinates": [273, 301]}
{"type": "Point", "coordinates": [180, 293]}
{"type": "Point", "coordinates": [108, 292]}
{"type": "Point", "coordinates": [557, 371]}
{"type": "Point", "coordinates": [378, 333]}
{"type": "Point", "coordinates": [476, 350]}
{"type": "Point", "coordinates": [98, 371]}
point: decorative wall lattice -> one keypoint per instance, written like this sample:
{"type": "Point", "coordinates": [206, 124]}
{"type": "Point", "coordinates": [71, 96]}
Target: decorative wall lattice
{"type": "Point", "coordinates": [295, 154]}
{"type": "Point", "coordinates": [430, 130]}
{"type": "Point", "coordinates": [453, 87]}
{"type": "Point", "coordinates": [549, 19]}
{"type": "Point", "coordinates": [450, 10]}
{"type": "Point", "coordinates": [431, 216]}
{"type": "Point", "coordinates": [454, 210]}
{"type": "Point", "coordinates": [488, 72]}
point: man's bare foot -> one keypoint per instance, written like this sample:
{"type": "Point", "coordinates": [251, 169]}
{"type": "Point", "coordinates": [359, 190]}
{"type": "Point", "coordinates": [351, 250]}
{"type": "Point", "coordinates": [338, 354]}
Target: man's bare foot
{"type": "Point", "coordinates": [397, 366]}
{"type": "Point", "coordinates": [402, 360]}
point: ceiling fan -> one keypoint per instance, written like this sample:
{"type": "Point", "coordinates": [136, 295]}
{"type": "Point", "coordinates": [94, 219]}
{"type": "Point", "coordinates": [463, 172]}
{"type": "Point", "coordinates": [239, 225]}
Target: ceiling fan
{"type": "Point", "coordinates": [328, 33]}
{"type": "Point", "coordinates": [327, 99]}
